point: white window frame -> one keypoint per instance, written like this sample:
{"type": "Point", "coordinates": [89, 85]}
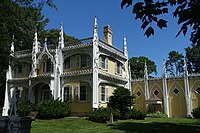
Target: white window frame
{"type": "Point", "coordinates": [104, 94]}
{"type": "Point", "coordinates": [77, 93]}
{"type": "Point", "coordinates": [103, 62]}
{"type": "Point", "coordinates": [118, 68]}
{"type": "Point", "coordinates": [69, 95]}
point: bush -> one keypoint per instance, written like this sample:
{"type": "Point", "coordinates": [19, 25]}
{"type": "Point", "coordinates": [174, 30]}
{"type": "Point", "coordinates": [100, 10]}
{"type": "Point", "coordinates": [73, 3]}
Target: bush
{"type": "Point", "coordinates": [157, 115]}
{"type": "Point", "coordinates": [196, 112]}
{"type": "Point", "coordinates": [52, 109]}
{"type": "Point", "coordinates": [25, 107]}
{"type": "Point", "coordinates": [101, 115]}
{"type": "Point", "coordinates": [136, 114]}
{"type": "Point", "coordinates": [122, 101]}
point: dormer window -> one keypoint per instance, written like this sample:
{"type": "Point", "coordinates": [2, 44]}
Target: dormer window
{"type": "Point", "coordinates": [47, 66]}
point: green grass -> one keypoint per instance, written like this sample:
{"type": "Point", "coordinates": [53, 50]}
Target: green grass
{"type": "Point", "coordinates": [149, 125]}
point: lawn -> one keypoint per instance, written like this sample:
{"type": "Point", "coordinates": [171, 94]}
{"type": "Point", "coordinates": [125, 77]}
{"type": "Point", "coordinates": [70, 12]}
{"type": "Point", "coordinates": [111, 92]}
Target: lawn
{"type": "Point", "coordinates": [149, 125]}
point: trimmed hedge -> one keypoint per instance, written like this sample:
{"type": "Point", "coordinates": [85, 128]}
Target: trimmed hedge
{"type": "Point", "coordinates": [52, 109]}
{"type": "Point", "coordinates": [196, 112]}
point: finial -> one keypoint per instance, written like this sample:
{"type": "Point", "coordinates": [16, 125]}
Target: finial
{"type": "Point", "coordinates": [125, 47]}
{"type": "Point", "coordinates": [45, 42]}
{"type": "Point", "coordinates": [61, 37]}
{"type": "Point", "coordinates": [12, 45]}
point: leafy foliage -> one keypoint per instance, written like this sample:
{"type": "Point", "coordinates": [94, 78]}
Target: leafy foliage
{"type": "Point", "coordinates": [25, 107]}
{"type": "Point", "coordinates": [52, 36]}
{"type": "Point", "coordinates": [174, 63]}
{"type": "Point", "coordinates": [137, 114]}
{"type": "Point", "coordinates": [193, 58]}
{"type": "Point", "coordinates": [196, 112]}
{"type": "Point", "coordinates": [101, 115]}
{"type": "Point", "coordinates": [52, 109]}
{"type": "Point", "coordinates": [19, 21]}
{"type": "Point", "coordinates": [149, 11]}
{"type": "Point", "coordinates": [157, 115]}
{"type": "Point", "coordinates": [137, 66]}
{"type": "Point", "coordinates": [122, 101]}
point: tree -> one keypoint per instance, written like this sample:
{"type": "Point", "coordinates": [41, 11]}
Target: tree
{"type": "Point", "coordinates": [149, 12]}
{"type": "Point", "coordinates": [174, 63]}
{"type": "Point", "coordinates": [52, 36]}
{"type": "Point", "coordinates": [137, 66]}
{"type": "Point", "coordinates": [193, 58]}
{"type": "Point", "coordinates": [18, 18]}
{"type": "Point", "coordinates": [122, 101]}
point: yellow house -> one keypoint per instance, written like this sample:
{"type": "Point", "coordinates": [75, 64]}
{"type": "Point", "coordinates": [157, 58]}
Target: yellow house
{"type": "Point", "coordinates": [86, 72]}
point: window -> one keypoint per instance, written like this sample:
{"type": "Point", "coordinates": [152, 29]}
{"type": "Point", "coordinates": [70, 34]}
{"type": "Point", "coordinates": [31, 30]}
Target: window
{"type": "Point", "coordinates": [67, 93]}
{"type": "Point", "coordinates": [48, 67]}
{"type": "Point", "coordinates": [156, 92]}
{"type": "Point", "coordinates": [82, 61]}
{"type": "Point", "coordinates": [176, 91]}
{"type": "Point", "coordinates": [83, 93]}
{"type": "Point", "coordinates": [19, 69]}
{"type": "Point", "coordinates": [118, 68]}
{"type": "Point", "coordinates": [78, 61]}
{"type": "Point", "coordinates": [104, 94]}
{"type": "Point", "coordinates": [103, 62]}
{"type": "Point", "coordinates": [138, 93]}
{"type": "Point", "coordinates": [67, 63]}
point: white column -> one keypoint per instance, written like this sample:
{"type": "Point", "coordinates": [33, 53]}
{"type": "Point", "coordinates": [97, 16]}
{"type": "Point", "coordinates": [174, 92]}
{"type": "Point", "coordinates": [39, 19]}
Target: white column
{"type": "Point", "coordinates": [187, 92]}
{"type": "Point", "coordinates": [95, 101]}
{"type": "Point", "coordinates": [7, 90]}
{"type": "Point", "coordinates": [165, 91]}
{"type": "Point", "coordinates": [34, 56]}
{"type": "Point", "coordinates": [146, 85]}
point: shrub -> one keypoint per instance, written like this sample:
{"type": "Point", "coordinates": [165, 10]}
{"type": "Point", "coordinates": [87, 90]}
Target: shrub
{"type": "Point", "coordinates": [122, 101]}
{"type": "Point", "coordinates": [52, 109]}
{"type": "Point", "coordinates": [101, 115]}
{"type": "Point", "coordinates": [136, 114]}
{"type": "Point", "coordinates": [25, 107]}
{"type": "Point", "coordinates": [157, 115]}
{"type": "Point", "coordinates": [196, 112]}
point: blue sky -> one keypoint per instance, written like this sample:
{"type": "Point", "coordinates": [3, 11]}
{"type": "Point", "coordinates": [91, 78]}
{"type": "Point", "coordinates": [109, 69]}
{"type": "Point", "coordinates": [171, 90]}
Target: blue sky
{"type": "Point", "coordinates": [77, 17]}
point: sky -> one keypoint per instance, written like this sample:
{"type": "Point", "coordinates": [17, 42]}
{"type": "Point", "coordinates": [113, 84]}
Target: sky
{"type": "Point", "coordinates": [77, 17]}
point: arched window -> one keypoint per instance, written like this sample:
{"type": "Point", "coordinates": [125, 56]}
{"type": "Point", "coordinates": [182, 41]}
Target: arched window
{"type": "Point", "coordinates": [67, 63]}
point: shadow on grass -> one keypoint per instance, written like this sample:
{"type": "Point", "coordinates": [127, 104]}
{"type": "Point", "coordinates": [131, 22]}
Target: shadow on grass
{"type": "Point", "coordinates": [156, 127]}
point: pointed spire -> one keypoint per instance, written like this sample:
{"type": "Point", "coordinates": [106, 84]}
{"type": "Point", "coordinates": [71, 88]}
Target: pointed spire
{"type": "Point", "coordinates": [125, 47]}
{"type": "Point", "coordinates": [61, 37]}
{"type": "Point", "coordinates": [164, 73]}
{"type": "Point", "coordinates": [12, 48]}
{"type": "Point", "coordinates": [185, 67]}
{"type": "Point", "coordinates": [35, 43]}
{"type": "Point", "coordinates": [145, 71]}
{"type": "Point", "coordinates": [45, 43]}
{"type": "Point", "coordinates": [95, 32]}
